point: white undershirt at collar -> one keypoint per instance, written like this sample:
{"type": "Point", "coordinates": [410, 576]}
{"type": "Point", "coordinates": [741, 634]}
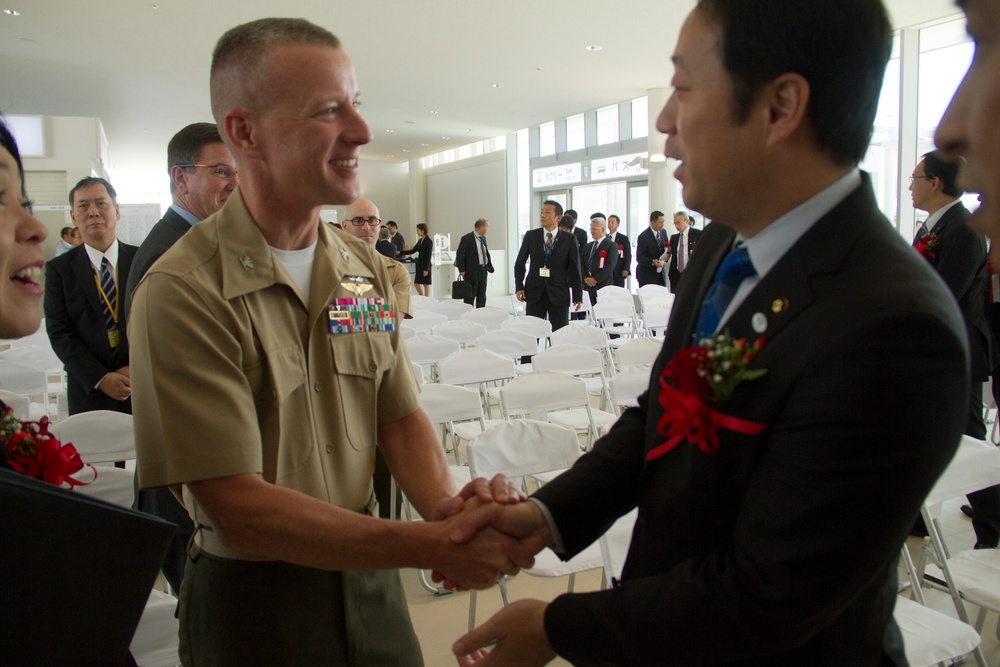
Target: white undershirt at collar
{"type": "Point", "coordinates": [299, 264]}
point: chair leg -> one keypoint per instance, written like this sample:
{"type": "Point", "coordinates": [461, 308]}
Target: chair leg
{"type": "Point", "coordinates": [572, 582]}
{"type": "Point", "coordinates": [472, 610]}
{"type": "Point", "coordinates": [504, 595]}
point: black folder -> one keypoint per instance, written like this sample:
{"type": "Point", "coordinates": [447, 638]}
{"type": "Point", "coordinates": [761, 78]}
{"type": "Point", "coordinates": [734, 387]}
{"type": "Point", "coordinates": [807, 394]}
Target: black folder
{"type": "Point", "coordinates": [75, 571]}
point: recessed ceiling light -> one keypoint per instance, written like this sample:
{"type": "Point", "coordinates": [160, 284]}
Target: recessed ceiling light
{"type": "Point", "coordinates": [446, 138]}
{"type": "Point", "coordinates": [409, 122]}
{"type": "Point", "coordinates": [11, 12]}
{"type": "Point", "coordinates": [406, 150]}
{"type": "Point", "coordinates": [390, 131]}
{"type": "Point", "coordinates": [425, 145]}
{"type": "Point", "coordinates": [496, 85]}
{"type": "Point", "coordinates": [432, 111]}
{"type": "Point", "coordinates": [593, 48]}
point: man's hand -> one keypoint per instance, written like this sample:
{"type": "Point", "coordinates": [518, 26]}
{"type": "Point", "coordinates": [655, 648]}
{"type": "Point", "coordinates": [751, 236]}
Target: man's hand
{"type": "Point", "coordinates": [482, 560]}
{"type": "Point", "coordinates": [461, 273]}
{"type": "Point", "coordinates": [590, 282]}
{"type": "Point", "coordinates": [518, 632]}
{"type": "Point", "coordinates": [499, 489]}
{"type": "Point", "coordinates": [116, 385]}
{"type": "Point", "coordinates": [625, 273]}
{"type": "Point", "coordinates": [577, 304]}
{"type": "Point", "coordinates": [519, 294]}
{"type": "Point", "coordinates": [657, 263]}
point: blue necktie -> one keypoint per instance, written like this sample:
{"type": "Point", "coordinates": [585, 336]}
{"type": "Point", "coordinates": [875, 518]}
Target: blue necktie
{"type": "Point", "coordinates": [735, 268]}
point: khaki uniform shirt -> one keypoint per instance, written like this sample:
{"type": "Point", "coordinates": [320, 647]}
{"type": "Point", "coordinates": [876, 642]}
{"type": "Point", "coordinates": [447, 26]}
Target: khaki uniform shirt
{"type": "Point", "coordinates": [234, 371]}
{"type": "Point", "coordinates": [400, 279]}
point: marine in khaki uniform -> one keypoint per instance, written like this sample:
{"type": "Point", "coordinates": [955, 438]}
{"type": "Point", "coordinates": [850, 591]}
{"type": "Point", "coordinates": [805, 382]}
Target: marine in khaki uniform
{"type": "Point", "coordinates": [267, 365]}
{"type": "Point", "coordinates": [365, 211]}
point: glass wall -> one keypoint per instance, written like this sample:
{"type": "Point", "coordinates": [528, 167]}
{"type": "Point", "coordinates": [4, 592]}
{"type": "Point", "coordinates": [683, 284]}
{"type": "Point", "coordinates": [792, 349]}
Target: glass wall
{"type": "Point", "coordinates": [576, 138]}
{"type": "Point", "coordinates": [607, 125]}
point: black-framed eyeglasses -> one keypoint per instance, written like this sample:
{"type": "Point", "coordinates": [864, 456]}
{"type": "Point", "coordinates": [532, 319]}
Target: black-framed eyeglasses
{"type": "Point", "coordinates": [371, 222]}
{"type": "Point", "coordinates": [223, 171]}
{"type": "Point", "coordinates": [929, 178]}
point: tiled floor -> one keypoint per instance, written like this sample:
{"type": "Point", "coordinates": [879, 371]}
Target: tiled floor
{"type": "Point", "coordinates": [440, 620]}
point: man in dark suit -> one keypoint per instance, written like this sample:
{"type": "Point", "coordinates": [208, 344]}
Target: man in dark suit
{"type": "Point", "coordinates": [552, 278]}
{"type": "Point", "coordinates": [202, 176]}
{"type": "Point", "coordinates": [599, 256]}
{"type": "Point", "coordinates": [624, 266]}
{"type": "Point", "coordinates": [770, 527]}
{"type": "Point", "coordinates": [395, 237]}
{"type": "Point", "coordinates": [82, 299]}
{"type": "Point", "coordinates": [682, 246]}
{"type": "Point", "coordinates": [474, 263]}
{"type": "Point", "coordinates": [959, 256]}
{"type": "Point", "coordinates": [649, 248]}
{"type": "Point", "coordinates": [567, 223]}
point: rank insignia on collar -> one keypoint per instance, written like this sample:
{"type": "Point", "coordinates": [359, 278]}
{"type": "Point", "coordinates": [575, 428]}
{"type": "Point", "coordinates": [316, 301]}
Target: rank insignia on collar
{"type": "Point", "coordinates": [343, 253]}
{"type": "Point", "coordinates": [246, 262]}
{"type": "Point", "coordinates": [356, 285]}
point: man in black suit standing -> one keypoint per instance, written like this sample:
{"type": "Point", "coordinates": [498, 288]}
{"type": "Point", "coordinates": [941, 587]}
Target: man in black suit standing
{"type": "Point", "coordinates": [831, 421]}
{"type": "Point", "coordinates": [552, 277]}
{"type": "Point", "coordinates": [202, 176]}
{"type": "Point", "coordinates": [473, 262]}
{"type": "Point", "coordinates": [958, 254]}
{"type": "Point", "coordinates": [624, 266]}
{"type": "Point", "coordinates": [649, 247]}
{"type": "Point", "coordinates": [395, 237]}
{"type": "Point", "coordinates": [599, 257]}
{"type": "Point", "coordinates": [681, 245]}
{"type": "Point", "coordinates": [82, 303]}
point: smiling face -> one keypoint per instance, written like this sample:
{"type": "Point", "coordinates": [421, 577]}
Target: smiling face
{"type": "Point", "coordinates": [21, 236]}
{"type": "Point", "coordinates": [95, 214]}
{"type": "Point", "coordinates": [969, 125]}
{"type": "Point", "coordinates": [309, 130]}
{"type": "Point", "coordinates": [698, 118]}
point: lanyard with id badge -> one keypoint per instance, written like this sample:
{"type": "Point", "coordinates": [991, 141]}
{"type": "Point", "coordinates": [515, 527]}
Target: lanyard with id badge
{"type": "Point", "coordinates": [111, 310]}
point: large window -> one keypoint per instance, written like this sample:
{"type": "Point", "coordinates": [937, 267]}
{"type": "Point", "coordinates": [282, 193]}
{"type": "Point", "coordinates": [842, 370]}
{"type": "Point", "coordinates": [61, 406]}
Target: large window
{"type": "Point", "coordinates": [575, 135]}
{"type": "Point", "coordinates": [607, 125]}
{"type": "Point", "coordinates": [547, 138]}
{"type": "Point", "coordinates": [640, 117]}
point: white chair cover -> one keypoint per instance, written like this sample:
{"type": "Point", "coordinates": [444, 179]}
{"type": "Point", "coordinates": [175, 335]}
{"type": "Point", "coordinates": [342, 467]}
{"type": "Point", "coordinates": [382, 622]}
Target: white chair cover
{"type": "Point", "coordinates": [628, 385]}
{"type": "Point", "coordinates": [157, 637]}
{"type": "Point", "coordinates": [424, 320]}
{"type": "Point", "coordinates": [453, 309]}
{"type": "Point", "coordinates": [509, 343]}
{"type": "Point", "coordinates": [101, 436]}
{"type": "Point", "coordinates": [461, 331]}
{"type": "Point", "coordinates": [930, 637]}
{"type": "Point", "coordinates": [491, 318]}
{"type": "Point", "coordinates": [642, 350]}
{"type": "Point", "coordinates": [427, 350]}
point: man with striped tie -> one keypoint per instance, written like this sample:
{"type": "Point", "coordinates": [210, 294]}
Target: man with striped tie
{"type": "Point", "coordinates": [82, 313]}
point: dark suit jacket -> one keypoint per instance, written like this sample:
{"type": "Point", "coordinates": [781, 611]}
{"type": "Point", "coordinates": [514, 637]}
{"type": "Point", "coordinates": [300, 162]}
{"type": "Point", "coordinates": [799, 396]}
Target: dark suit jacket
{"type": "Point", "coordinates": [387, 248]}
{"type": "Point", "coordinates": [960, 260]}
{"type": "Point", "coordinates": [624, 258]}
{"type": "Point", "coordinates": [648, 248]}
{"type": "Point", "coordinates": [592, 267]}
{"type": "Point", "coordinates": [564, 283]}
{"type": "Point", "coordinates": [74, 319]}
{"type": "Point", "coordinates": [581, 240]}
{"type": "Point", "coordinates": [163, 235]}
{"type": "Point", "coordinates": [397, 240]}
{"type": "Point", "coordinates": [423, 247]}
{"type": "Point", "coordinates": [778, 549]}
{"type": "Point", "coordinates": [672, 273]}
{"type": "Point", "coordinates": [467, 258]}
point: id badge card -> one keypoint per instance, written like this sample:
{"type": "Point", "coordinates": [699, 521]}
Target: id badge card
{"type": "Point", "coordinates": [114, 338]}
{"type": "Point", "coordinates": [544, 272]}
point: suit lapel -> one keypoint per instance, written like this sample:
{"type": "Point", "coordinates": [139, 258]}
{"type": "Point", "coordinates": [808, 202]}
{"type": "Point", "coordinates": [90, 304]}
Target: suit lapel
{"type": "Point", "coordinates": [84, 273]}
{"type": "Point", "coordinates": [697, 279]}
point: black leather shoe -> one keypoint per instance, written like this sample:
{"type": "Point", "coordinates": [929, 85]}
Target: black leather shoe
{"type": "Point", "coordinates": [981, 545]}
{"type": "Point", "coordinates": [968, 511]}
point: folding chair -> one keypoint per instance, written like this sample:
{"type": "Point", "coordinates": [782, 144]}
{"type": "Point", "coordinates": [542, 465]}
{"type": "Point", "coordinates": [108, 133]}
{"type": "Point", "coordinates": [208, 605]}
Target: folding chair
{"type": "Point", "coordinates": [614, 293]}
{"type": "Point", "coordinates": [527, 448]}
{"type": "Point", "coordinates": [654, 291]}
{"type": "Point", "coordinates": [510, 343]}
{"type": "Point", "coordinates": [614, 547]}
{"type": "Point", "coordinates": [418, 373]}
{"type": "Point", "coordinates": [563, 397]}
{"type": "Point", "coordinates": [428, 350]}
{"type": "Point", "coordinates": [655, 317]}
{"type": "Point", "coordinates": [642, 350]}
{"type": "Point", "coordinates": [617, 318]}
{"type": "Point", "coordinates": [448, 405]}
{"type": "Point", "coordinates": [481, 368]}
{"type": "Point", "coordinates": [420, 302]}
{"type": "Point", "coordinates": [538, 327]}
{"type": "Point", "coordinates": [579, 361]}
{"type": "Point", "coordinates": [588, 336]}
{"type": "Point", "coordinates": [26, 381]}
{"type": "Point", "coordinates": [627, 386]}
{"type": "Point", "coordinates": [930, 637]}
{"type": "Point", "coordinates": [101, 436]}
{"type": "Point", "coordinates": [463, 332]}
{"type": "Point", "coordinates": [491, 318]}
{"type": "Point", "coordinates": [971, 575]}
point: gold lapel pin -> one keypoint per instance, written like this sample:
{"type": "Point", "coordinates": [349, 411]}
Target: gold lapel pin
{"type": "Point", "coordinates": [246, 262]}
{"type": "Point", "coordinates": [779, 305]}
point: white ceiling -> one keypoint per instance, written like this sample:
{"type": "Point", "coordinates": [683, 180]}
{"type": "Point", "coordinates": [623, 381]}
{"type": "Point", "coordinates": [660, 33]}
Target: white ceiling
{"type": "Point", "coordinates": [141, 66]}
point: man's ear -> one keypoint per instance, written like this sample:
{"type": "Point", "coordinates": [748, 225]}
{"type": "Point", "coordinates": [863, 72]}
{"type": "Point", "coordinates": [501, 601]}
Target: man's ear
{"type": "Point", "coordinates": [787, 100]}
{"type": "Point", "coordinates": [239, 126]}
{"type": "Point", "coordinates": [179, 178]}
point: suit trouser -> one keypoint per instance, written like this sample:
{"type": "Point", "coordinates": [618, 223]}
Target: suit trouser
{"type": "Point", "coordinates": [557, 315]}
{"type": "Point", "coordinates": [236, 612]}
{"type": "Point", "coordinates": [478, 291]}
